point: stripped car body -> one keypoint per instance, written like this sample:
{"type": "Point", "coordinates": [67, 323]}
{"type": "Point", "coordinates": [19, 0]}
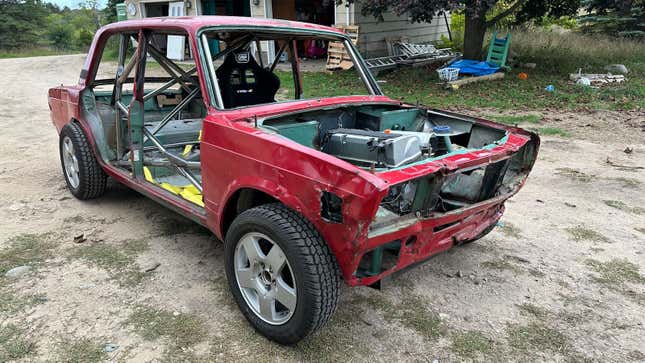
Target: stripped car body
{"type": "Point", "coordinates": [385, 183]}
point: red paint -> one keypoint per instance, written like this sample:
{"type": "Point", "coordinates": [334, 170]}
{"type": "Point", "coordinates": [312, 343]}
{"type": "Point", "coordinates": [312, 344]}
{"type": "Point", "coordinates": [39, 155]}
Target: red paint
{"type": "Point", "coordinates": [236, 155]}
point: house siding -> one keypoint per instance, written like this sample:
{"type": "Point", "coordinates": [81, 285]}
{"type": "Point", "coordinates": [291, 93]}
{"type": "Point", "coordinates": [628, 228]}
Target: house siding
{"type": "Point", "coordinates": [373, 33]}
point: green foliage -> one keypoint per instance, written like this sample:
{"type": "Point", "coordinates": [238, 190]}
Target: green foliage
{"type": "Point", "coordinates": [26, 25]}
{"type": "Point", "coordinates": [20, 22]}
{"type": "Point", "coordinates": [624, 18]}
{"type": "Point", "coordinates": [457, 28]}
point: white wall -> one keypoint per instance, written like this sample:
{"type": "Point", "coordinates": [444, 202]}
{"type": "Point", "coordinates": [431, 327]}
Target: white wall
{"type": "Point", "coordinates": [372, 33]}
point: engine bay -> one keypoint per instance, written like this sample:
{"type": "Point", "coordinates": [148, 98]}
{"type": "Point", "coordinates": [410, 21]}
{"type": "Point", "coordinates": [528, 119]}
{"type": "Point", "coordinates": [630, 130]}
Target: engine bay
{"type": "Point", "coordinates": [383, 137]}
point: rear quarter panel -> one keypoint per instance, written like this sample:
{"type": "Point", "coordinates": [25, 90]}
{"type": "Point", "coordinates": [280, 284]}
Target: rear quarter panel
{"type": "Point", "coordinates": [63, 105]}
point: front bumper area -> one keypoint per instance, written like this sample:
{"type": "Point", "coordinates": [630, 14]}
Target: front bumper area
{"type": "Point", "coordinates": [411, 239]}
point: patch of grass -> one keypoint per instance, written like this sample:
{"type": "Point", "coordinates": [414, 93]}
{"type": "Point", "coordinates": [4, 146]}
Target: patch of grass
{"type": "Point", "coordinates": [411, 313]}
{"type": "Point", "coordinates": [13, 344]}
{"type": "Point", "coordinates": [118, 260]}
{"type": "Point", "coordinates": [616, 271]}
{"type": "Point", "coordinates": [182, 330]}
{"type": "Point", "coordinates": [627, 182]}
{"type": "Point", "coordinates": [472, 343]}
{"type": "Point", "coordinates": [636, 355]}
{"type": "Point", "coordinates": [502, 264]}
{"type": "Point", "coordinates": [32, 52]}
{"type": "Point", "coordinates": [624, 207]}
{"type": "Point", "coordinates": [553, 131]}
{"type": "Point", "coordinates": [510, 230]}
{"type": "Point", "coordinates": [533, 310]}
{"type": "Point", "coordinates": [537, 337]}
{"type": "Point", "coordinates": [581, 233]}
{"type": "Point", "coordinates": [575, 175]}
{"type": "Point", "coordinates": [516, 120]}
{"type": "Point", "coordinates": [25, 249]}
{"type": "Point", "coordinates": [11, 302]}
{"type": "Point", "coordinates": [81, 350]}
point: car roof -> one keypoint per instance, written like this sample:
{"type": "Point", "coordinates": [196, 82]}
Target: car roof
{"type": "Point", "coordinates": [194, 23]}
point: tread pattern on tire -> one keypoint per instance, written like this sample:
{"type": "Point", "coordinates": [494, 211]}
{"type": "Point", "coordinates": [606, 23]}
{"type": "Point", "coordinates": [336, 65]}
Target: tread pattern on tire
{"type": "Point", "coordinates": [315, 254]}
{"type": "Point", "coordinates": [92, 178]}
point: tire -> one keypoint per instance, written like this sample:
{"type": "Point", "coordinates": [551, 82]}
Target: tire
{"type": "Point", "coordinates": [315, 276]}
{"type": "Point", "coordinates": [84, 176]}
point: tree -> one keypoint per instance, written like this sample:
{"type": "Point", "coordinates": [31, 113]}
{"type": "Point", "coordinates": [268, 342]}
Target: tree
{"type": "Point", "coordinates": [615, 17]}
{"type": "Point", "coordinates": [109, 12]}
{"type": "Point", "coordinates": [20, 22]}
{"type": "Point", "coordinates": [479, 14]}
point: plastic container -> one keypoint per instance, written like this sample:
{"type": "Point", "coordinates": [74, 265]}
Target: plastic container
{"type": "Point", "coordinates": [448, 74]}
{"type": "Point", "coordinates": [441, 129]}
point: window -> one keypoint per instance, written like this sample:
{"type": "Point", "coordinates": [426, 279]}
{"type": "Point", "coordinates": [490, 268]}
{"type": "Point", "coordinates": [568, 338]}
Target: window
{"type": "Point", "coordinates": [256, 67]}
{"type": "Point", "coordinates": [106, 72]}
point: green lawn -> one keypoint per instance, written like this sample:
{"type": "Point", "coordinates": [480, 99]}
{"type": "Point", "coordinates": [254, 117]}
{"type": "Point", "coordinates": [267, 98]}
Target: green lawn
{"type": "Point", "coordinates": [556, 55]}
{"type": "Point", "coordinates": [32, 52]}
{"type": "Point", "coordinates": [422, 85]}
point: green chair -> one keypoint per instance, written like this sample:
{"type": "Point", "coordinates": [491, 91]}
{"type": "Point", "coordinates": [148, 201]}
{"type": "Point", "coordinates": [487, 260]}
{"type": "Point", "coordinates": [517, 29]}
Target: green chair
{"type": "Point", "coordinates": [498, 50]}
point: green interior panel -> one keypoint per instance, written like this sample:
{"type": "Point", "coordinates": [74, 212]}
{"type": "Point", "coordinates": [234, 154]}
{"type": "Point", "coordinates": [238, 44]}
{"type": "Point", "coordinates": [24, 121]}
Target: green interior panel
{"type": "Point", "coordinates": [404, 119]}
{"type": "Point", "coordinates": [400, 120]}
{"type": "Point", "coordinates": [177, 131]}
{"type": "Point", "coordinates": [304, 133]}
{"type": "Point", "coordinates": [149, 105]}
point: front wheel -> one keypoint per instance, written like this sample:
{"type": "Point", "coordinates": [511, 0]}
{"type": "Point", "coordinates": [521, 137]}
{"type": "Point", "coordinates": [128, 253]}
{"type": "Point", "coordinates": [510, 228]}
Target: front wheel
{"type": "Point", "coordinates": [281, 273]}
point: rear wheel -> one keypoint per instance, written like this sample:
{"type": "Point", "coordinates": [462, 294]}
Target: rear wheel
{"type": "Point", "coordinates": [281, 273]}
{"type": "Point", "coordinates": [83, 174]}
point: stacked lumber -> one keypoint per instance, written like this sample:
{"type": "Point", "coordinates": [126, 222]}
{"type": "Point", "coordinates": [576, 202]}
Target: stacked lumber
{"type": "Point", "coordinates": [337, 57]}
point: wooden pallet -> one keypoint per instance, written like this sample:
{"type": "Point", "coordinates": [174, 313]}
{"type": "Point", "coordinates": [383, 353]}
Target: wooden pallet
{"type": "Point", "coordinates": [337, 57]}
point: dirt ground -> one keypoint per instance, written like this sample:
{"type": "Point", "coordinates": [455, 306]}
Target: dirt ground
{"type": "Point", "coordinates": [561, 279]}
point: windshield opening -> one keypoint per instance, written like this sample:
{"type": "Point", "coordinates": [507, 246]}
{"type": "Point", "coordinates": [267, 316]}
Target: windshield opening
{"type": "Point", "coordinates": [251, 67]}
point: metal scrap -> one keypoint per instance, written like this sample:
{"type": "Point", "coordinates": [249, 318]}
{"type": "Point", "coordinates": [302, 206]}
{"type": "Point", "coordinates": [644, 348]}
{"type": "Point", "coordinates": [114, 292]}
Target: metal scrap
{"type": "Point", "coordinates": [410, 54]}
{"type": "Point", "coordinates": [597, 79]}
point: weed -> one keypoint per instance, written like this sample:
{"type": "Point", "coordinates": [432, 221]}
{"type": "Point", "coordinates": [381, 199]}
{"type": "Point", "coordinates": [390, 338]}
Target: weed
{"type": "Point", "coordinates": [575, 175]}
{"type": "Point", "coordinates": [537, 337]}
{"type": "Point", "coordinates": [471, 343]}
{"type": "Point", "coordinates": [636, 355]}
{"type": "Point", "coordinates": [624, 207]}
{"type": "Point", "coordinates": [580, 233]}
{"type": "Point", "coordinates": [13, 344]}
{"type": "Point", "coordinates": [412, 314]}
{"type": "Point", "coordinates": [81, 350]}
{"type": "Point", "coordinates": [553, 131]}
{"type": "Point", "coordinates": [502, 264]}
{"type": "Point", "coordinates": [11, 303]}
{"type": "Point", "coordinates": [510, 230]}
{"type": "Point", "coordinates": [120, 260]}
{"type": "Point", "coordinates": [533, 310]}
{"type": "Point", "coordinates": [627, 182]}
{"type": "Point", "coordinates": [616, 271]}
{"type": "Point", "coordinates": [25, 249]}
{"type": "Point", "coordinates": [183, 330]}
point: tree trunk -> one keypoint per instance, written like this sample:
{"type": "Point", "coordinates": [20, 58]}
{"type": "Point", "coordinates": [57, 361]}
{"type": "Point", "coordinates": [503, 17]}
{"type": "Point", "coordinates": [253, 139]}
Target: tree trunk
{"type": "Point", "coordinates": [474, 33]}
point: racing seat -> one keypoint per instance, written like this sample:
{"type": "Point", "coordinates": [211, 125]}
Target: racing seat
{"type": "Point", "coordinates": [244, 82]}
